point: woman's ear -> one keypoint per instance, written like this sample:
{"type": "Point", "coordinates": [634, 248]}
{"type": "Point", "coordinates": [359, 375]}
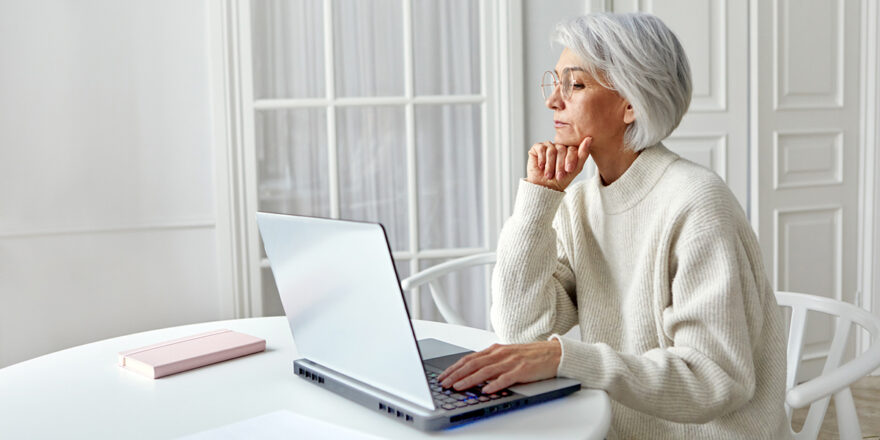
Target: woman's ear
{"type": "Point", "coordinates": [629, 115]}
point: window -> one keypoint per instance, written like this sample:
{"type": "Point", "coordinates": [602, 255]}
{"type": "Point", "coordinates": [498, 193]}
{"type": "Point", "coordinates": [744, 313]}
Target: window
{"type": "Point", "coordinates": [377, 110]}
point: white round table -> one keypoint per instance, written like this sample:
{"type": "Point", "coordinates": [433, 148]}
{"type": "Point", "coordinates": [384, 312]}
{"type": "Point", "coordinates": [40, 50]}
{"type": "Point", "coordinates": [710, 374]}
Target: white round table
{"type": "Point", "coordinates": [82, 393]}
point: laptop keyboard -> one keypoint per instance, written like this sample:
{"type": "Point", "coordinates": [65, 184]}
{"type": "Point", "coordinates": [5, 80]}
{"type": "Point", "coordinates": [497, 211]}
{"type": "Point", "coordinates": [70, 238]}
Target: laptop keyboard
{"type": "Point", "coordinates": [453, 399]}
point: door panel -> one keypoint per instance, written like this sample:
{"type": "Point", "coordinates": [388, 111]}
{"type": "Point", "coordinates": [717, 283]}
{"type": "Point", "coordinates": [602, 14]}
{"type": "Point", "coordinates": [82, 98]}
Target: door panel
{"type": "Point", "coordinates": [806, 148]}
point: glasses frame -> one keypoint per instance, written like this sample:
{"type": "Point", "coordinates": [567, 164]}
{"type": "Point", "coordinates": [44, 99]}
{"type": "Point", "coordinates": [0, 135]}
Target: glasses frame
{"type": "Point", "coordinates": [551, 80]}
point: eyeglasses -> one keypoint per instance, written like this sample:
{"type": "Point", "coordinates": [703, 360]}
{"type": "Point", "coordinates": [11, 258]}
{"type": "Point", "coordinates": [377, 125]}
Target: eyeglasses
{"type": "Point", "coordinates": [550, 81]}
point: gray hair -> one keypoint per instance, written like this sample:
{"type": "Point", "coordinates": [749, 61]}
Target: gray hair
{"type": "Point", "coordinates": [642, 60]}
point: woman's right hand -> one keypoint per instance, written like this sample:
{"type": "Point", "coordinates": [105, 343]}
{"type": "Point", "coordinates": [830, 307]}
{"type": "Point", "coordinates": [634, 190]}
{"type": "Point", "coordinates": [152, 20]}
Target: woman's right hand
{"type": "Point", "coordinates": [554, 166]}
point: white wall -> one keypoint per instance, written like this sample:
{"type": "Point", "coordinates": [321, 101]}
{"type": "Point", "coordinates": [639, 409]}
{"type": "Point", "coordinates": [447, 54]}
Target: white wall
{"type": "Point", "coordinates": [107, 216]}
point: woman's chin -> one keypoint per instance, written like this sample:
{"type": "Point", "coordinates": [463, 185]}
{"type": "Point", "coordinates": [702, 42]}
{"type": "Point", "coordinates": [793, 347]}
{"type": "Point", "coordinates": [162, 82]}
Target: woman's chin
{"type": "Point", "coordinates": [565, 140]}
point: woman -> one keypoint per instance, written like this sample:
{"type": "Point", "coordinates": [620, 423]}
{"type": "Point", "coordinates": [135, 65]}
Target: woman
{"type": "Point", "coordinates": [653, 258]}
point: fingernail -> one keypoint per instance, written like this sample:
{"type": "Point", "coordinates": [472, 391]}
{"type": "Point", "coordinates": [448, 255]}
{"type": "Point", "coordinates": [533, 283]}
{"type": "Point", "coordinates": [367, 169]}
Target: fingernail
{"type": "Point", "coordinates": [458, 385]}
{"type": "Point", "coordinates": [445, 383]}
{"type": "Point", "coordinates": [568, 168]}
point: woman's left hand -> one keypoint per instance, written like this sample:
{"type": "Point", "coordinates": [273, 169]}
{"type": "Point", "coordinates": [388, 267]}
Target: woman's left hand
{"type": "Point", "coordinates": [504, 365]}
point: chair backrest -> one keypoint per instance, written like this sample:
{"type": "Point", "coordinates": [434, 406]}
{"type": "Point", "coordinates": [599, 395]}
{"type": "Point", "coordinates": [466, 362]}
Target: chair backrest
{"type": "Point", "coordinates": [431, 276]}
{"type": "Point", "coordinates": [835, 378]}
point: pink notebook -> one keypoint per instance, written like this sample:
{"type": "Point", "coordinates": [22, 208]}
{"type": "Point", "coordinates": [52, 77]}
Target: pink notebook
{"type": "Point", "coordinates": [194, 351]}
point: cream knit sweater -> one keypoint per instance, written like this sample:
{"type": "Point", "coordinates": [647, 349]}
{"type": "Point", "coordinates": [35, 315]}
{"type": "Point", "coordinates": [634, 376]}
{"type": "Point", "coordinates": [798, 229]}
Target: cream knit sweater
{"type": "Point", "coordinates": [661, 270]}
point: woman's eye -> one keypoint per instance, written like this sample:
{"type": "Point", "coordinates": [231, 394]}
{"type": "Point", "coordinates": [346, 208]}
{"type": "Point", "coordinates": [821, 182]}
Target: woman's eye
{"type": "Point", "coordinates": [577, 86]}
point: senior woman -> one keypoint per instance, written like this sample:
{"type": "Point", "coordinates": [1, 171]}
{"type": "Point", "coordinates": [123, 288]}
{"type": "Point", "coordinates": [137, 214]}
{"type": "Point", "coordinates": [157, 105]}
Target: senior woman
{"type": "Point", "coordinates": [653, 258]}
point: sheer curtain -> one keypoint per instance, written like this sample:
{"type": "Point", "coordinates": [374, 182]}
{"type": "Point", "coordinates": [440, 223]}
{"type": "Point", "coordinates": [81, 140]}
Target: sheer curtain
{"type": "Point", "coordinates": [371, 139]}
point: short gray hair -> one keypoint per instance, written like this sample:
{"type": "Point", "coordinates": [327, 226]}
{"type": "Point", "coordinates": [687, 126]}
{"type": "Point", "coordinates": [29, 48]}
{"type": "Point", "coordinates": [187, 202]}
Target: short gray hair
{"type": "Point", "coordinates": [642, 60]}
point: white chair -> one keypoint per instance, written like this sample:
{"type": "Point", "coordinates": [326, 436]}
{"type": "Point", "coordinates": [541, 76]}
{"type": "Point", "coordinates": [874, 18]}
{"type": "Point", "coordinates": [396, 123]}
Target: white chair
{"type": "Point", "coordinates": [432, 276]}
{"type": "Point", "coordinates": [835, 378]}
{"type": "Point", "coordinates": [817, 392]}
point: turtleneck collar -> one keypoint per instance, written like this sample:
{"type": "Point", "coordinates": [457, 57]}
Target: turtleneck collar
{"type": "Point", "coordinates": [637, 181]}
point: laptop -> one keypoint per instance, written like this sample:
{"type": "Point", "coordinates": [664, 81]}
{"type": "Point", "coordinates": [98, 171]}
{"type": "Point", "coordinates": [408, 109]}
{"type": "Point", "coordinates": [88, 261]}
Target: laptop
{"type": "Point", "coordinates": [349, 320]}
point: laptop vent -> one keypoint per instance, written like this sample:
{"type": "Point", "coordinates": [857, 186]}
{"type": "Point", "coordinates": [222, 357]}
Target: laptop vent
{"type": "Point", "coordinates": [314, 377]}
{"type": "Point", "coordinates": [394, 412]}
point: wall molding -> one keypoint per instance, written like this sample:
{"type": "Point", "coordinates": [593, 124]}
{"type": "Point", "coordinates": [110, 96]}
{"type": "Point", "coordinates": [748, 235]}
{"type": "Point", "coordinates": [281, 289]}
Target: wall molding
{"type": "Point", "coordinates": [838, 143]}
{"type": "Point", "coordinates": [783, 99]}
{"type": "Point", "coordinates": [718, 149]}
{"type": "Point", "coordinates": [869, 185]}
{"type": "Point", "coordinates": [113, 229]}
{"type": "Point", "coordinates": [778, 251]}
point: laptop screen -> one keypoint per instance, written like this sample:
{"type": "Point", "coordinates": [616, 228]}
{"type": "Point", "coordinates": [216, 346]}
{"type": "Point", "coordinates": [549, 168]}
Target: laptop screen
{"type": "Point", "coordinates": [343, 301]}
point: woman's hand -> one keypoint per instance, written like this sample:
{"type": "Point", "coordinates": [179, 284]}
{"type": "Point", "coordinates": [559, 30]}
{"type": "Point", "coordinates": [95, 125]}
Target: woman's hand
{"type": "Point", "coordinates": [554, 166]}
{"type": "Point", "coordinates": [503, 366]}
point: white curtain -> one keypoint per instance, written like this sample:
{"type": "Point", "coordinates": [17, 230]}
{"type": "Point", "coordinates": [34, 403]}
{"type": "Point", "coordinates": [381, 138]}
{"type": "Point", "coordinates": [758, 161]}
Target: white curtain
{"type": "Point", "coordinates": [288, 54]}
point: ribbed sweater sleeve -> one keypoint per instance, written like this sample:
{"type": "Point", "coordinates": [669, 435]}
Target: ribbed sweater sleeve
{"type": "Point", "coordinates": [707, 371]}
{"type": "Point", "coordinates": [533, 287]}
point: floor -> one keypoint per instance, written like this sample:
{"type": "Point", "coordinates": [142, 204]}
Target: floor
{"type": "Point", "coordinates": [866, 393]}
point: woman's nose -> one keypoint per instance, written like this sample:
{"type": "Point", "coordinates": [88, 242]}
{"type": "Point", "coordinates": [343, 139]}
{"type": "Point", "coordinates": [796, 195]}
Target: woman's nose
{"type": "Point", "coordinates": [555, 101]}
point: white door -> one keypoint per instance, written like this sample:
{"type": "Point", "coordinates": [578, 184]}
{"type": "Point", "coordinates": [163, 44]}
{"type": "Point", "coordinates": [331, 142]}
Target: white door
{"type": "Point", "coordinates": [805, 111]}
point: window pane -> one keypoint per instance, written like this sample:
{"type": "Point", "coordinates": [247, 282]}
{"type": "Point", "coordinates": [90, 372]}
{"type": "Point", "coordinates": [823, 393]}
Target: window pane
{"type": "Point", "coordinates": [465, 291]}
{"type": "Point", "coordinates": [368, 37]}
{"type": "Point", "coordinates": [402, 268]}
{"type": "Point", "coordinates": [292, 161]}
{"type": "Point", "coordinates": [403, 272]}
{"type": "Point", "coordinates": [450, 185]}
{"type": "Point", "coordinates": [288, 48]}
{"type": "Point", "coordinates": [372, 169]}
{"type": "Point", "coordinates": [271, 299]}
{"type": "Point", "coordinates": [446, 47]}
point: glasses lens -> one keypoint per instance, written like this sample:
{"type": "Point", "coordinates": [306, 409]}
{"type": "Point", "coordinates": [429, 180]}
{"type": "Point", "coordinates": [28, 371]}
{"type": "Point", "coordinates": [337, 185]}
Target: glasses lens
{"type": "Point", "coordinates": [566, 82]}
{"type": "Point", "coordinates": [548, 83]}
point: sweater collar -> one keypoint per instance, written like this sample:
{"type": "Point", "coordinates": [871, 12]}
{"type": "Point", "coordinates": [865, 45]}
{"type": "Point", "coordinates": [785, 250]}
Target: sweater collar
{"type": "Point", "coordinates": [637, 181]}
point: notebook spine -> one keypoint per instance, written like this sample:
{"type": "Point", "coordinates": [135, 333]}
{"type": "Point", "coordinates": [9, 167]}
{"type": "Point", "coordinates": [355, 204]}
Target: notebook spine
{"type": "Point", "coordinates": [173, 341]}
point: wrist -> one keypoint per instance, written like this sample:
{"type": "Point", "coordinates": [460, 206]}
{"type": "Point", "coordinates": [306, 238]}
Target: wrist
{"type": "Point", "coordinates": [546, 184]}
{"type": "Point", "coordinates": [536, 203]}
{"type": "Point", "coordinates": [556, 350]}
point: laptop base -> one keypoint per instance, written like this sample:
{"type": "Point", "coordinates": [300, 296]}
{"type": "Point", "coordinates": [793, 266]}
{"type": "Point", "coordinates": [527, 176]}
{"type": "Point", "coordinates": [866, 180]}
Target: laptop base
{"type": "Point", "coordinates": [421, 418]}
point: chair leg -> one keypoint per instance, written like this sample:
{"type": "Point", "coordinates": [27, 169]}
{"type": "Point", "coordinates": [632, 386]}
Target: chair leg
{"type": "Point", "coordinates": [847, 417]}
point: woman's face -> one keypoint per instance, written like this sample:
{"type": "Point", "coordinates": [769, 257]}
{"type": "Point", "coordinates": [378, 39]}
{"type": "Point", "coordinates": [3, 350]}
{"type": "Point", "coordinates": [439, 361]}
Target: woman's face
{"type": "Point", "coordinates": [592, 110]}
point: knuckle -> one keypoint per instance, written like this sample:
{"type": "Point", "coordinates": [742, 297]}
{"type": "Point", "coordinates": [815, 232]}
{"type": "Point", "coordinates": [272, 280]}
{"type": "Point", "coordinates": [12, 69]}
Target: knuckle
{"type": "Point", "coordinates": [504, 380]}
{"type": "Point", "coordinates": [472, 365]}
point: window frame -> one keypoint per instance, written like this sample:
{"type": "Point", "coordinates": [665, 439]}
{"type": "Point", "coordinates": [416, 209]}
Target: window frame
{"type": "Point", "coordinates": [500, 100]}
